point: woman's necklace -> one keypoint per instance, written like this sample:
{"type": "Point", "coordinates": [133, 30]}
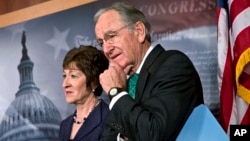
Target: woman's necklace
{"type": "Point", "coordinates": [82, 121]}
{"type": "Point", "coordinates": [77, 121]}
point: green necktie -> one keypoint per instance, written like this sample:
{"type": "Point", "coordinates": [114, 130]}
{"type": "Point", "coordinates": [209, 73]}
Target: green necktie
{"type": "Point", "coordinates": [132, 84]}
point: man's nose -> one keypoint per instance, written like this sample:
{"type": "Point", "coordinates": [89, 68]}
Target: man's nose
{"type": "Point", "coordinates": [107, 48]}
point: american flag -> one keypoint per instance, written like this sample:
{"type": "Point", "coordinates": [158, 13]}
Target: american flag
{"type": "Point", "coordinates": [233, 17]}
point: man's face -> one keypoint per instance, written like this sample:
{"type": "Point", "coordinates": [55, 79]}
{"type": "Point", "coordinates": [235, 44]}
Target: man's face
{"type": "Point", "coordinates": [118, 42]}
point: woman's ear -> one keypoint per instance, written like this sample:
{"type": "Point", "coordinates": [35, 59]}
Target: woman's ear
{"type": "Point", "coordinates": [140, 31]}
{"type": "Point", "coordinates": [98, 90]}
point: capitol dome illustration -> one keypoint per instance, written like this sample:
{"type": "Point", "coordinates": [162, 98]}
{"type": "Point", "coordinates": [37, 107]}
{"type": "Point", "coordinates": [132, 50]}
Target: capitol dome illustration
{"type": "Point", "coordinates": [31, 116]}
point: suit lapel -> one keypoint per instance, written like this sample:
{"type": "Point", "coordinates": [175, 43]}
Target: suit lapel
{"type": "Point", "coordinates": [91, 123]}
{"type": "Point", "coordinates": [144, 74]}
{"type": "Point", "coordinates": [67, 128]}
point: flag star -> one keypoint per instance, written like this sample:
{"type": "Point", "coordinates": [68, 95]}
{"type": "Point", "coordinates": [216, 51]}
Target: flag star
{"type": "Point", "coordinates": [59, 41]}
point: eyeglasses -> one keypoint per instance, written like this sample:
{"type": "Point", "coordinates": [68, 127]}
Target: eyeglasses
{"type": "Point", "coordinates": [110, 37]}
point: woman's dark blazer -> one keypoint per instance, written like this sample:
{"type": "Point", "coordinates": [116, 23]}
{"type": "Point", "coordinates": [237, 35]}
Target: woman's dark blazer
{"type": "Point", "coordinates": [167, 90]}
{"type": "Point", "coordinates": [91, 129]}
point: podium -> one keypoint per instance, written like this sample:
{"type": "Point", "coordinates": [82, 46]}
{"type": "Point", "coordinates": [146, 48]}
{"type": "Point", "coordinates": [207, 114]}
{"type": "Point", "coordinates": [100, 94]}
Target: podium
{"type": "Point", "coordinates": [202, 126]}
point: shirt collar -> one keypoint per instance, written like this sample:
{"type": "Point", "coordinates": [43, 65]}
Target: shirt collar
{"type": "Point", "coordinates": [144, 58]}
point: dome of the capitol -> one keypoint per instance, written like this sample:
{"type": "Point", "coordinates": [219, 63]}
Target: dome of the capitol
{"type": "Point", "coordinates": [31, 116]}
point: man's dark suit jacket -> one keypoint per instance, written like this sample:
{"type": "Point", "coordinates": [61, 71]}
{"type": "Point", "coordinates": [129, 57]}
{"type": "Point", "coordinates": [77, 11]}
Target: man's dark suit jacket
{"type": "Point", "coordinates": [91, 129]}
{"type": "Point", "coordinates": [167, 91]}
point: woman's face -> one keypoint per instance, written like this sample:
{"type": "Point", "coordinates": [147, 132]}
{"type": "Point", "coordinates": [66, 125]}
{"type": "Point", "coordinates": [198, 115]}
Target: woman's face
{"type": "Point", "coordinates": [74, 84]}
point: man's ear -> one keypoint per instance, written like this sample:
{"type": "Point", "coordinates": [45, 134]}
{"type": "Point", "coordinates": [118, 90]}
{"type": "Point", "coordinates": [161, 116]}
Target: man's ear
{"type": "Point", "coordinates": [140, 31]}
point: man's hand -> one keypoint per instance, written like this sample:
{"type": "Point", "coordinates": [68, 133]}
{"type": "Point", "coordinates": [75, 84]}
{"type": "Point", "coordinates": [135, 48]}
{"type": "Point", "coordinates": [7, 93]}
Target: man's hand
{"type": "Point", "coordinates": [114, 76]}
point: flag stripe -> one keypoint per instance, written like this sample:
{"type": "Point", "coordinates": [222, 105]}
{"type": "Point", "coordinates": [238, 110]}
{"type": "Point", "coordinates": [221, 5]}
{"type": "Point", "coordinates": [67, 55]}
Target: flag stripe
{"type": "Point", "coordinates": [240, 110]}
{"type": "Point", "coordinates": [234, 61]}
{"type": "Point", "coordinates": [225, 77]}
{"type": "Point", "coordinates": [245, 80]}
{"type": "Point", "coordinates": [236, 7]}
{"type": "Point", "coordinates": [246, 117]}
{"type": "Point", "coordinates": [241, 42]}
{"type": "Point", "coordinates": [240, 26]}
{"type": "Point", "coordinates": [240, 15]}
